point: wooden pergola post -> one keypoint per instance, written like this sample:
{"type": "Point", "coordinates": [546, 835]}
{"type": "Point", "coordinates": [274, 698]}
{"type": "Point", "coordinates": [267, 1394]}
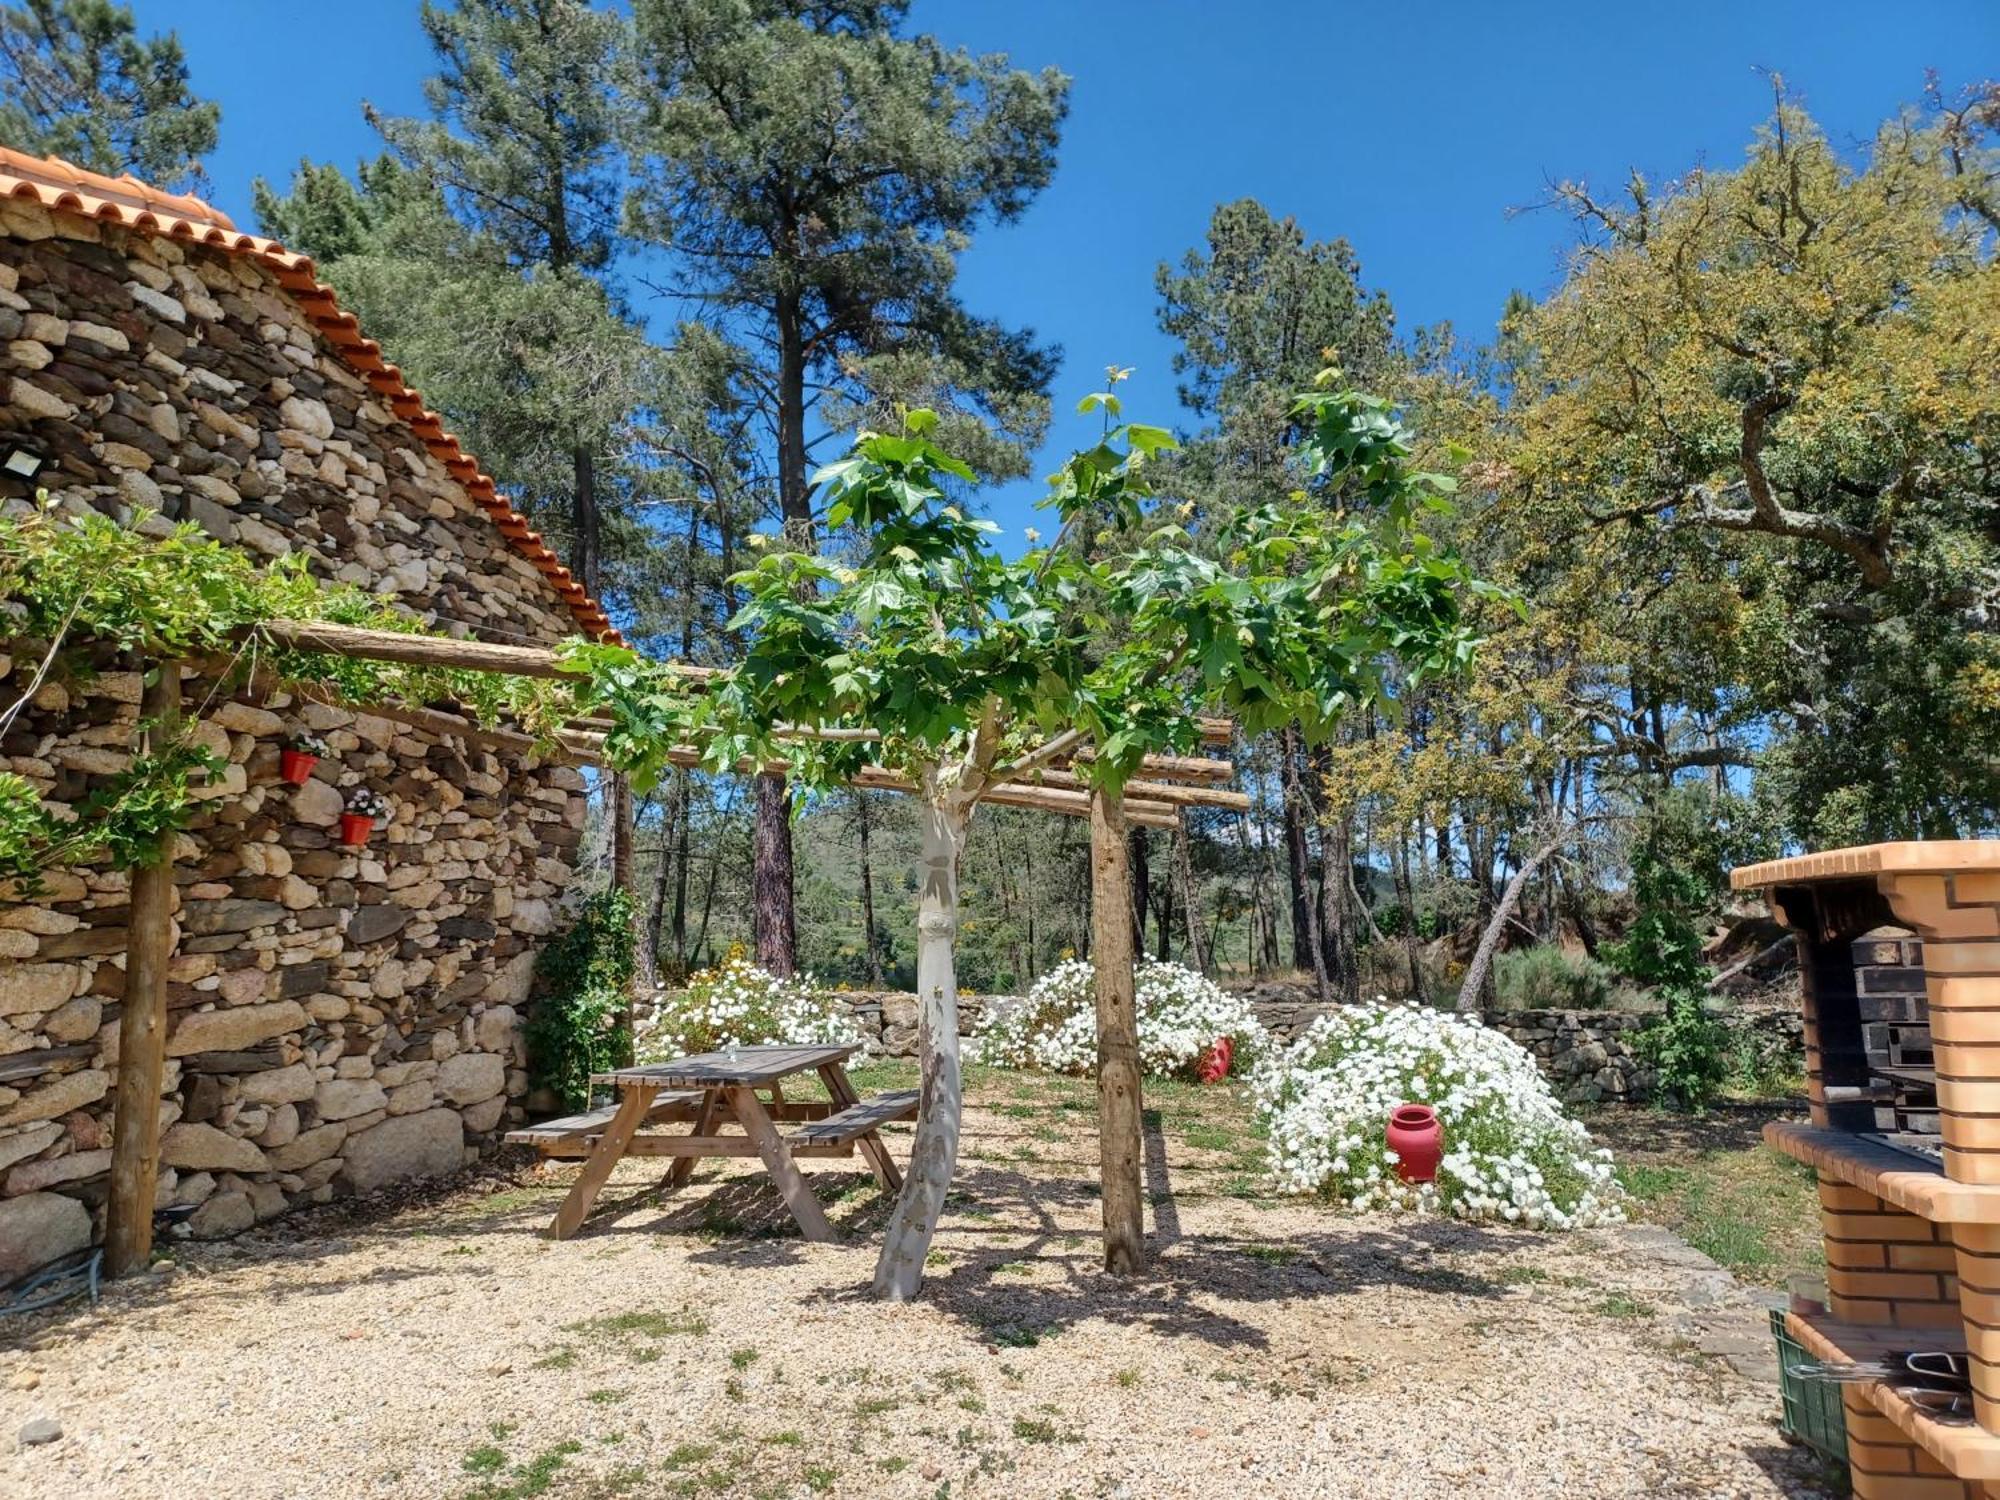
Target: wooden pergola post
{"type": "Point", "coordinates": [1118, 1101]}
{"type": "Point", "coordinates": [142, 1028]}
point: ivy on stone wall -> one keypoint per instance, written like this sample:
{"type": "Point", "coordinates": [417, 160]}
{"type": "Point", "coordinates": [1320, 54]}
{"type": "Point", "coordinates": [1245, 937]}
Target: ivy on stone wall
{"type": "Point", "coordinates": [580, 1024]}
{"type": "Point", "coordinates": [175, 593]}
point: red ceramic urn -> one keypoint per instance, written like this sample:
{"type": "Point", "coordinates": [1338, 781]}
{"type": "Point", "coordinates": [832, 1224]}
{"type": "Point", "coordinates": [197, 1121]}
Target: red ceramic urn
{"type": "Point", "coordinates": [296, 766]}
{"type": "Point", "coordinates": [1417, 1138]}
{"type": "Point", "coordinates": [355, 828]}
{"type": "Point", "coordinates": [1214, 1064]}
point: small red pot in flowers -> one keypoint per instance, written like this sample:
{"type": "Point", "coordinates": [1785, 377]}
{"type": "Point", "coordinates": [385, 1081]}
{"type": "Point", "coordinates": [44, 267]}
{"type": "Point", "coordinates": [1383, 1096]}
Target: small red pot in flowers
{"type": "Point", "coordinates": [365, 808]}
{"type": "Point", "coordinates": [301, 753]}
{"type": "Point", "coordinates": [1416, 1135]}
{"type": "Point", "coordinates": [1214, 1064]}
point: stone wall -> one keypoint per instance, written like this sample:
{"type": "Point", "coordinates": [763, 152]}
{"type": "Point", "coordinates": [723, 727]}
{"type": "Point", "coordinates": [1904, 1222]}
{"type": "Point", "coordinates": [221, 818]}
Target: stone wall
{"type": "Point", "coordinates": [178, 378]}
{"type": "Point", "coordinates": [888, 1018]}
{"type": "Point", "coordinates": [339, 1018]}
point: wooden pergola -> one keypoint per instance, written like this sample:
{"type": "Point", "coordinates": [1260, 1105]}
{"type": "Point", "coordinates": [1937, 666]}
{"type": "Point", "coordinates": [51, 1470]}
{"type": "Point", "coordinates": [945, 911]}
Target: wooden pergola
{"type": "Point", "coordinates": [1167, 784]}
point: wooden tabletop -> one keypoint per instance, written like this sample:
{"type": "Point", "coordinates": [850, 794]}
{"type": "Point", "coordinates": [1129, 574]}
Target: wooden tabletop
{"type": "Point", "coordinates": [749, 1066]}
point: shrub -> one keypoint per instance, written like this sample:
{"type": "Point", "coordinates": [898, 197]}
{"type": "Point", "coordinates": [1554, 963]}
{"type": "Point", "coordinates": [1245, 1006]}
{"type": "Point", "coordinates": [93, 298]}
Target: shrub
{"type": "Point", "coordinates": [1510, 1153]}
{"type": "Point", "coordinates": [577, 1026]}
{"type": "Point", "coordinates": [1547, 978]}
{"type": "Point", "coordinates": [738, 1003]}
{"type": "Point", "coordinates": [1689, 1050]}
{"type": "Point", "coordinates": [1181, 1015]}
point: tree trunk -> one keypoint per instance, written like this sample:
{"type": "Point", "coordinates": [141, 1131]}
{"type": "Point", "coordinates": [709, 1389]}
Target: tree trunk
{"type": "Point", "coordinates": [868, 937]}
{"type": "Point", "coordinates": [682, 841]}
{"type": "Point", "coordinates": [1198, 947]}
{"type": "Point", "coordinates": [1298, 857]}
{"type": "Point", "coordinates": [775, 924]}
{"type": "Point", "coordinates": [1473, 991]}
{"type": "Point", "coordinates": [1336, 884]}
{"type": "Point", "coordinates": [934, 1152]}
{"type": "Point", "coordinates": [586, 528]}
{"type": "Point", "coordinates": [1142, 881]}
{"type": "Point", "coordinates": [1120, 1158]}
{"type": "Point", "coordinates": [1412, 941]}
{"type": "Point", "coordinates": [142, 1028]}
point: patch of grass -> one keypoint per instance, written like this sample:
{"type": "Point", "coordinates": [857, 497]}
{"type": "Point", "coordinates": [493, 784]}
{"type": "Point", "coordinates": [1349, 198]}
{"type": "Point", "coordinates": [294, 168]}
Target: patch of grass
{"type": "Point", "coordinates": [1040, 1430]}
{"type": "Point", "coordinates": [1209, 1138]}
{"type": "Point", "coordinates": [820, 1477]}
{"type": "Point", "coordinates": [502, 1430]}
{"type": "Point", "coordinates": [742, 1359]}
{"type": "Point", "coordinates": [651, 1325]}
{"type": "Point", "coordinates": [786, 1439]}
{"type": "Point", "coordinates": [1013, 1268]}
{"type": "Point", "coordinates": [1521, 1275]}
{"type": "Point", "coordinates": [484, 1460]}
{"type": "Point", "coordinates": [465, 1250]}
{"type": "Point", "coordinates": [1126, 1378]}
{"type": "Point", "coordinates": [894, 1464]}
{"type": "Point", "coordinates": [529, 1479]}
{"type": "Point", "coordinates": [733, 1388]}
{"type": "Point", "coordinates": [1274, 1255]}
{"type": "Point", "coordinates": [507, 1201]}
{"type": "Point", "coordinates": [606, 1397]}
{"type": "Point", "coordinates": [562, 1357]}
{"type": "Point", "coordinates": [1623, 1305]}
{"type": "Point", "coordinates": [875, 1406]}
{"type": "Point", "coordinates": [1713, 1181]}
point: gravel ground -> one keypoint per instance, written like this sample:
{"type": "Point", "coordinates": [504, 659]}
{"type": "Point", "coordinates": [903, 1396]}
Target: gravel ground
{"type": "Point", "coordinates": [441, 1348]}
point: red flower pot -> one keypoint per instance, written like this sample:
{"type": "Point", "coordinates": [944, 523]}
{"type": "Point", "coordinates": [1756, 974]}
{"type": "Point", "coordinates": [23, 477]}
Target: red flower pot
{"type": "Point", "coordinates": [296, 766]}
{"type": "Point", "coordinates": [1417, 1138]}
{"type": "Point", "coordinates": [1214, 1064]}
{"type": "Point", "coordinates": [355, 828]}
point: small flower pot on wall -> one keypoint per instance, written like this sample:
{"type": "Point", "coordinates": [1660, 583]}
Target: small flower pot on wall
{"type": "Point", "coordinates": [296, 766]}
{"type": "Point", "coordinates": [1417, 1137]}
{"type": "Point", "coordinates": [355, 828]}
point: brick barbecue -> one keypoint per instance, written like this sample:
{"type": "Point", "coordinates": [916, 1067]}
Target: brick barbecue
{"type": "Point", "coordinates": [1904, 1087]}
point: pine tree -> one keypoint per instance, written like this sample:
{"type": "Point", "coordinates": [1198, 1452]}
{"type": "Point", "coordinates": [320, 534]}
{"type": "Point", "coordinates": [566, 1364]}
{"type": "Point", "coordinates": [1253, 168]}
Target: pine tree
{"type": "Point", "coordinates": [813, 175]}
{"type": "Point", "coordinates": [523, 144]}
{"type": "Point", "coordinates": [77, 81]}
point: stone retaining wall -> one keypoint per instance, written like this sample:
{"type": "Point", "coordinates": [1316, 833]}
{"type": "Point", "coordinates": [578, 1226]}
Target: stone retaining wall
{"type": "Point", "coordinates": [338, 1018]}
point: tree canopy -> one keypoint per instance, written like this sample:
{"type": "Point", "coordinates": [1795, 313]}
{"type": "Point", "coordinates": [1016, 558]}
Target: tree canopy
{"type": "Point", "coordinates": [78, 81]}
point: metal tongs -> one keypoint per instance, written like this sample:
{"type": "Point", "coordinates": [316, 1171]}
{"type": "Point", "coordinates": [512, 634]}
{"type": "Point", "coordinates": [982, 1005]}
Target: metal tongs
{"type": "Point", "coordinates": [1937, 1382]}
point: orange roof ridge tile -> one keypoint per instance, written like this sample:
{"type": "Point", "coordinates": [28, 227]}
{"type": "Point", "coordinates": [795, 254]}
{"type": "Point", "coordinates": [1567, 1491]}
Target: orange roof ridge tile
{"type": "Point", "coordinates": [63, 186]}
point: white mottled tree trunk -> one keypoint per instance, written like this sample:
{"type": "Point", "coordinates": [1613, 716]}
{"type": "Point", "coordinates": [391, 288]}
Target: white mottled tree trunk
{"type": "Point", "coordinates": [934, 1155]}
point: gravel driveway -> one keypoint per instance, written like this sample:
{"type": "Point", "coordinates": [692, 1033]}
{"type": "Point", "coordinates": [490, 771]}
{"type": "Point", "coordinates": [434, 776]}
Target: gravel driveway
{"type": "Point", "coordinates": [440, 1348]}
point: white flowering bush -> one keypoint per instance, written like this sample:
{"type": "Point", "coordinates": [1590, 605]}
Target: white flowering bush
{"type": "Point", "coordinates": [1510, 1153]}
{"type": "Point", "coordinates": [738, 1003]}
{"type": "Point", "coordinates": [1181, 1015]}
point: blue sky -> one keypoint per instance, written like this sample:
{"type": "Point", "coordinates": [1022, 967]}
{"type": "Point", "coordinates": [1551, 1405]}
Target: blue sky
{"type": "Point", "coordinates": [1412, 129]}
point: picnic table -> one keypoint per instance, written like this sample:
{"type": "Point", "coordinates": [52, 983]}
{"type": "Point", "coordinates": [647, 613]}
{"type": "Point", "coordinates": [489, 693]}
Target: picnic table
{"type": "Point", "coordinates": [712, 1090]}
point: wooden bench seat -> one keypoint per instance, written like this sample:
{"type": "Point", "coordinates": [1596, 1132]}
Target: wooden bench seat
{"type": "Point", "coordinates": [580, 1130]}
{"type": "Point", "coordinates": [857, 1120]}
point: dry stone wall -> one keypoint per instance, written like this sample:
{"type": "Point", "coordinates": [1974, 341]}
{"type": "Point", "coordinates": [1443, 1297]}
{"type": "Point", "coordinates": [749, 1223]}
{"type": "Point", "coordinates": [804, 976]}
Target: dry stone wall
{"type": "Point", "coordinates": [339, 1018]}
{"type": "Point", "coordinates": [175, 378]}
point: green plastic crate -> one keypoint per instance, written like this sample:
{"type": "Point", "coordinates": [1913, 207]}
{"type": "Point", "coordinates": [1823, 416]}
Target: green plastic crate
{"type": "Point", "coordinates": [1813, 1413]}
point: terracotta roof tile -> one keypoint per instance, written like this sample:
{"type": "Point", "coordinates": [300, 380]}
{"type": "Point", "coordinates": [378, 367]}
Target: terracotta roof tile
{"type": "Point", "coordinates": [126, 201]}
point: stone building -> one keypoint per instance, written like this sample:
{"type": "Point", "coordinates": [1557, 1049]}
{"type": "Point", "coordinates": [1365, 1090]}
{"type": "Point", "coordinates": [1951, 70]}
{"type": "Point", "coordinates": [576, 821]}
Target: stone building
{"type": "Point", "coordinates": [339, 1018]}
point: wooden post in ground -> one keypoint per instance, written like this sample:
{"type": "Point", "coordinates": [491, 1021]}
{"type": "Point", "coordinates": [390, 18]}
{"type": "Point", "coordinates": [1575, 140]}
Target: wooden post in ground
{"type": "Point", "coordinates": [1120, 1149]}
{"type": "Point", "coordinates": [142, 1028]}
{"type": "Point", "coordinates": [624, 877]}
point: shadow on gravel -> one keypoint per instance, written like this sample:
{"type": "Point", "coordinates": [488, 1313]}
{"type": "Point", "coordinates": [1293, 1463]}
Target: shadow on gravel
{"type": "Point", "coordinates": [1006, 1293]}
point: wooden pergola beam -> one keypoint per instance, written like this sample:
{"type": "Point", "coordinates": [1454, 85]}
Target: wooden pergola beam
{"type": "Point", "coordinates": [541, 661]}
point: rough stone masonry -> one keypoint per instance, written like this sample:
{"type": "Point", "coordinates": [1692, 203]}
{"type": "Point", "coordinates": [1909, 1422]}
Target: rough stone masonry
{"type": "Point", "coordinates": [339, 1018]}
